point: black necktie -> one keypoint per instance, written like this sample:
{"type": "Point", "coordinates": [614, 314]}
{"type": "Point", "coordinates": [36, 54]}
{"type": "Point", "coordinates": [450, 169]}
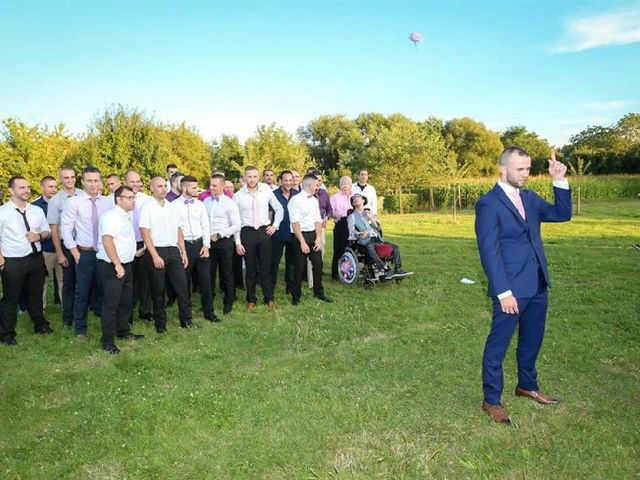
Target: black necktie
{"type": "Point", "coordinates": [26, 224]}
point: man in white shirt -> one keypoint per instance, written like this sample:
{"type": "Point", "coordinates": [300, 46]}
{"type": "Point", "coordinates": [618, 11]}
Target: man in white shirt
{"type": "Point", "coordinates": [22, 229]}
{"type": "Point", "coordinates": [306, 226]}
{"type": "Point", "coordinates": [254, 239]}
{"type": "Point", "coordinates": [116, 251]}
{"type": "Point", "coordinates": [194, 222]}
{"type": "Point", "coordinates": [141, 288]}
{"type": "Point", "coordinates": [166, 255]}
{"type": "Point", "coordinates": [269, 178]}
{"type": "Point", "coordinates": [224, 219]}
{"type": "Point", "coordinates": [81, 215]}
{"type": "Point", "coordinates": [54, 213]}
{"type": "Point", "coordinates": [367, 191]}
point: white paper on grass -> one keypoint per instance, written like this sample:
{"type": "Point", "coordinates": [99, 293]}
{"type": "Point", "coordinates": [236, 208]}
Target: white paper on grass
{"type": "Point", "coordinates": [467, 281]}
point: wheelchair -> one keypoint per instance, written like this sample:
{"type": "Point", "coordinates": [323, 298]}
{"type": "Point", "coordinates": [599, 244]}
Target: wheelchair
{"type": "Point", "coordinates": [355, 264]}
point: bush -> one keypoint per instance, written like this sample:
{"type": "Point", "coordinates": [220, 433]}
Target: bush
{"type": "Point", "coordinates": [391, 203]}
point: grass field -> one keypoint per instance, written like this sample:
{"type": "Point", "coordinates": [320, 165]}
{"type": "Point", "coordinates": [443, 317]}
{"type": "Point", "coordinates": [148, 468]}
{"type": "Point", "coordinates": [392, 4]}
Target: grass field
{"type": "Point", "coordinates": [375, 385]}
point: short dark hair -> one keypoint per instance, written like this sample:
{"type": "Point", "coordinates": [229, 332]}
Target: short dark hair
{"type": "Point", "coordinates": [315, 172]}
{"type": "Point", "coordinates": [118, 192]}
{"type": "Point", "coordinates": [363, 170]}
{"type": "Point", "coordinates": [285, 172]}
{"type": "Point", "coordinates": [188, 179]}
{"type": "Point", "coordinates": [13, 179]}
{"type": "Point", "coordinates": [90, 170]}
{"type": "Point", "coordinates": [170, 165]}
{"type": "Point", "coordinates": [112, 175]}
{"type": "Point", "coordinates": [267, 170]}
{"type": "Point", "coordinates": [507, 152]}
{"type": "Point", "coordinates": [218, 175]}
{"type": "Point", "coordinates": [46, 179]}
{"type": "Point", "coordinates": [176, 175]}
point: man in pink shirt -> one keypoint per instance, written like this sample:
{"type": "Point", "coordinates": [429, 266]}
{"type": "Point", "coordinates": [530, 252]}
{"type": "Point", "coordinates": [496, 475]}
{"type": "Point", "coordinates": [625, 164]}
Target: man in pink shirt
{"type": "Point", "coordinates": [340, 206]}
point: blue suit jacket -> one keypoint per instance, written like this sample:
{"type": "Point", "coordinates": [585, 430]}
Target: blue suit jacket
{"type": "Point", "coordinates": [511, 250]}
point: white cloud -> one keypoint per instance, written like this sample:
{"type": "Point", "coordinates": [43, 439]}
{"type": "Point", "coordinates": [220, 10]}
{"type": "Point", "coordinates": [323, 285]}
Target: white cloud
{"type": "Point", "coordinates": [616, 27]}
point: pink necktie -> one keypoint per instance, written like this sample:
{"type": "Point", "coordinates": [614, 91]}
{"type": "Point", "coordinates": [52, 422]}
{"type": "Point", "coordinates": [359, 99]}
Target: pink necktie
{"type": "Point", "coordinates": [256, 214]}
{"type": "Point", "coordinates": [94, 223]}
{"type": "Point", "coordinates": [518, 202]}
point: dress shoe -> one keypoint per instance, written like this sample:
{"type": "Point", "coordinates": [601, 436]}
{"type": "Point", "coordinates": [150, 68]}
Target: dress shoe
{"type": "Point", "coordinates": [227, 309]}
{"type": "Point", "coordinates": [186, 325]}
{"type": "Point", "coordinates": [145, 316]}
{"type": "Point", "coordinates": [111, 349]}
{"type": "Point", "coordinates": [131, 336]}
{"type": "Point", "coordinates": [213, 318]}
{"type": "Point", "coordinates": [9, 341]}
{"type": "Point", "coordinates": [272, 305]}
{"type": "Point", "coordinates": [324, 298]}
{"type": "Point", "coordinates": [68, 324]}
{"type": "Point", "coordinates": [496, 412]}
{"type": "Point", "coordinates": [536, 396]}
{"type": "Point", "coordinates": [44, 330]}
{"type": "Point", "coordinates": [250, 306]}
{"type": "Point", "coordinates": [161, 330]}
{"type": "Point", "coordinates": [83, 336]}
{"type": "Point", "coordinates": [295, 301]}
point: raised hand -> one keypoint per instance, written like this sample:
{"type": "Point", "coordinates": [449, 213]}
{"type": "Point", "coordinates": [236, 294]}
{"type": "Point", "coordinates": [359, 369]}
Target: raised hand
{"type": "Point", "coordinates": [557, 169]}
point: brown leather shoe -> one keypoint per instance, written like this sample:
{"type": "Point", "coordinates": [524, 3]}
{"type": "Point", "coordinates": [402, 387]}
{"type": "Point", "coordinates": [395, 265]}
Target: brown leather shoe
{"type": "Point", "coordinates": [250, 306]}
{"type": "Point", "coordinates": [272, 305]}
{"type": "Point", "coordinates": [83, 336]}
{"type": "Point", "coordinates": [536, 396]}
{"type": "Point", "coordinates": [496, 412]}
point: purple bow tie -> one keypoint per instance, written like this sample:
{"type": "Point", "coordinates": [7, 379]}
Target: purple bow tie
{"type": "Point", "coordinates": [216, 199]}
{"type": "Point", "coordinates": [187, 202]}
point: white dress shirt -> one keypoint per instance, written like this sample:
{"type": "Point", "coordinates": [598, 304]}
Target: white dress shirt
{"type": "Point", "coordinates": [117, 224]}
{"type": "Point", "coordinates": [263, 198]}
{"type": "Point", "coordinates": [76, 215]}
{"type": "Point", "coordinates": [193, 219]}
{"type": "Point", "coordinates": [13, 240]}
{"type": "Point", "coordinates": [369, 192]}
{"type": "Point", "coordinates": [162, 223]}
{"type": "Point", "coordinates": [224, 216]}
{"type": "Point", "coordinates": [305, 210]}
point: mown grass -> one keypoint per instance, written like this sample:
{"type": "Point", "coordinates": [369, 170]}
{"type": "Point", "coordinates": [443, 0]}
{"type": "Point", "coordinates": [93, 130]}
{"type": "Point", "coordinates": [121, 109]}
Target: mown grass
{"type": "Point", "coordinates": [382, 384]}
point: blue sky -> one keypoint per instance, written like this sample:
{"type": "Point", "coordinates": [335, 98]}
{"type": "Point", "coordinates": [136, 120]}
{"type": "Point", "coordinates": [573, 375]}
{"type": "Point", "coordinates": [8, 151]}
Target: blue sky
{"type": "Point", "coordinates": [228, 66]}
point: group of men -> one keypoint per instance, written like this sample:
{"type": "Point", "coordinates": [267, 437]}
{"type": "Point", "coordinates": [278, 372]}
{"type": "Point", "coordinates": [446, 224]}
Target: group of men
{"type": "Point", "coordinates": [111, 253]}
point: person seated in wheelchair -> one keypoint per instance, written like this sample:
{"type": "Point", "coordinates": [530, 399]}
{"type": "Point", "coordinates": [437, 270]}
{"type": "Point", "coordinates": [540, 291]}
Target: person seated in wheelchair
{"type": "Point", "coordinates": [365, 231]}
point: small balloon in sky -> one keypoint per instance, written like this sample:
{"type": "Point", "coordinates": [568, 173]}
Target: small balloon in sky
{"type": "Point", "coordinates": [416, 38]}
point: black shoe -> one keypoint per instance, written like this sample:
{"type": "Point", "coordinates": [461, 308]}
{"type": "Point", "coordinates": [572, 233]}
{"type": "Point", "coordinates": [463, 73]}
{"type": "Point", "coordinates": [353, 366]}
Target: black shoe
{"type": "Point", "coordinates": [399, 273]}
{"type": "Point", "coordinates": [9, 341]}
{"type": "Point", "coordinates": [295, 301]}
{"type": "Point", "coordinates": [68, 324]}
{"type": "Point", "coordinates": [161, 330]}
{"type": "Point", "coordinates": [227, 309]}
{"type": "Point", "coordinates": [187, 325]}
{"type": "Point", "coordinates": [44, 330]}
{"type": "Point", "coordinates": [145, 316]}
{"type": "Point", "coordinates": [213, 318]}
{"type": "Point", "coordinates": [131, 336]}
{"type": "Point", "coordinates": [324, 298]}
{"type": "Point", "coordinates": [111, 349]}
{"type": "Point", "coordinates": [388, 275]}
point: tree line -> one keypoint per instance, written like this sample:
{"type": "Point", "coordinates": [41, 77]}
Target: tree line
{"type": "Point", "coordinates": [401, 154]}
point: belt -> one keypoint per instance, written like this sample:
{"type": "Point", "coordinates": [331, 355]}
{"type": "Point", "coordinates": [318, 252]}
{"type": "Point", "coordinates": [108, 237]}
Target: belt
{"type": "Point", "coordinates": [253, 228]}
{"type": "Point", "coordinates": [139, 245]}
{"type": "Point", "coordinates": [197, 240]}
{"type": "Point", "coordinates": [85, 249]}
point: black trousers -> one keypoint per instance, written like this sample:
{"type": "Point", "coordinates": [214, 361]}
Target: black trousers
{"type": "Point", "coordinates": [280, 246]}
{"type": "Point", "coordinates": [301, 263]}
{"type": "Point", "coordinates": [18, 273]}
{"type": "Point", "coordinates": [221, 259]}
{"type": "Point", "coordinates": [340, 242]}
{"type": "Point", "coordinates": [118, 301]}
{"type": "Point", "coordinates": [141, 287]}
{"type": "Point", "coordinates": [201, 267]}
{"type": "Point", "coordinates": [173, 271]}
{"type": "Point", "coordinates": [257, 245]}
{"type": "Point", "coordinates": [68, 287]}
{"type": "Point", "coordinates": [238, 281]}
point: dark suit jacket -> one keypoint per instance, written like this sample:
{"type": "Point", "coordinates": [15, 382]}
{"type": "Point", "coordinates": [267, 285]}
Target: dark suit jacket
{"type": "Point", "coordinates": [511, 250]}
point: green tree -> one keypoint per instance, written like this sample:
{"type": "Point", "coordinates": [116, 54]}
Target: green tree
{"type": "Point", "coordinates": [476, 147]}
{"type": "Point", "coordinates": [273, 147]}
{"type": "Point", "coordinates": [538, 148]}
{"type": "Point", "coordinates": [403, 156]}
{"type": "Point", "coordinates": [228, 156]}
{"type": "Point", "coordinates": [33, 151]}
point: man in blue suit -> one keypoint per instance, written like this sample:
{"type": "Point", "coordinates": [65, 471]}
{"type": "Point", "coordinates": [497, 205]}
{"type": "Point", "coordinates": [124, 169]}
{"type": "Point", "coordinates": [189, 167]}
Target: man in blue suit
{"type": "Point", "coordinates": [508, 233]}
